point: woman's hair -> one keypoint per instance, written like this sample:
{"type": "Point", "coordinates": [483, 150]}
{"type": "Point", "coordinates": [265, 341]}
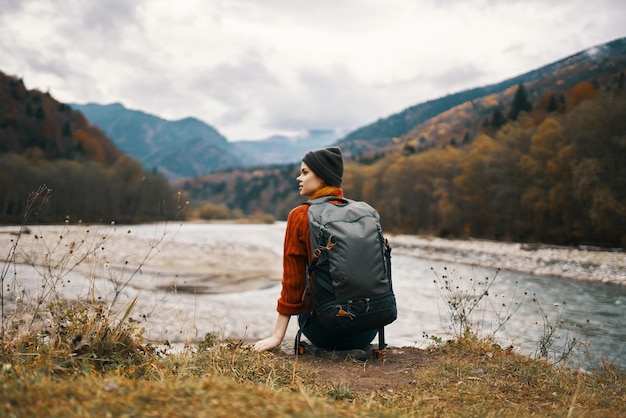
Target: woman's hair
{"type": "Point", "coordinates": [325, 190]}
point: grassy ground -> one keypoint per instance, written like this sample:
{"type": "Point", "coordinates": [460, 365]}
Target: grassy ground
{"type": "Point", "coordinates": [121, 377]}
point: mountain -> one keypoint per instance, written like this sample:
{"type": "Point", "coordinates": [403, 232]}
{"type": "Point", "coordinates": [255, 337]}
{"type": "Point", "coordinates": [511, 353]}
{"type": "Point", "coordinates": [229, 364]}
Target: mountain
{"type": "Point", "coordinates": [182, 148]}
{"type": "Point", "coordinates": [34, 122]}
{"type": "Point", "coordinates": [190, 148]}
{"type": "Point", "coordinates": [56, 167]}
{"type": "Point", "coordinates": [281, 149]}
{"type": "Point", "coordinates": [451, 122]}
{"type": "Point", "coordinates": [536, 158]}
{"type": "Point", "coordinates": [453, 118]}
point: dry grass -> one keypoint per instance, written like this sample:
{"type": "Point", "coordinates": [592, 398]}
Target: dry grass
{"type": "Point", "coordinates": [466, 377]}
{"type": "Point", "coordinates": [215, 378]}
{"type": "Point", "coordinates": [477, 378]}
{"type": "Point", "coordinates": [120, 396]}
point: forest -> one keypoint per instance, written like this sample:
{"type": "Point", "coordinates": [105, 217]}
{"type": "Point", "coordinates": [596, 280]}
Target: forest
{"type": "Point", "coordinates": [58, 168]}
{"type": "Point", "coordinates": [562, 181]}
{"type": "Point", "coordinates": [70, 191]}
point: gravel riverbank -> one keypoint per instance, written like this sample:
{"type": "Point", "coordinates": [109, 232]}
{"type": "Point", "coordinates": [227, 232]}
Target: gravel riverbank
{"type": "Point", "coordinates": [254, 269]}
{"type": "Point", "coordinates": [570, 263]}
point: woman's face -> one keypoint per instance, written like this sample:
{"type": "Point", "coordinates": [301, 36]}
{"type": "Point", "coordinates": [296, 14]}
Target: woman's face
{"type": "Point", "coordinates": [309, 182]}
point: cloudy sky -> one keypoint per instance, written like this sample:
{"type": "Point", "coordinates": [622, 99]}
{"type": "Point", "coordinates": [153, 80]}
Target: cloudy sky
{"type": "Point", "coordinates": [256, 68]}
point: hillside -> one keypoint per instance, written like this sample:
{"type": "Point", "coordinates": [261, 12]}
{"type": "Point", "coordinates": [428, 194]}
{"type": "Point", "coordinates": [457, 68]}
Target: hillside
{"type": "Point", "coordinates": [32, 120]}
{"type": "Point", "coordinates": [461, 116]}
{"type": "Point", "coordinates": [56, 167]}
{"type": "Point", "coordinates": [182, 148]}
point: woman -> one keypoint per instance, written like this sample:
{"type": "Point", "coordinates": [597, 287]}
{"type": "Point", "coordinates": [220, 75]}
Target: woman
{"type": "Point", "coordinates": [321, 174]}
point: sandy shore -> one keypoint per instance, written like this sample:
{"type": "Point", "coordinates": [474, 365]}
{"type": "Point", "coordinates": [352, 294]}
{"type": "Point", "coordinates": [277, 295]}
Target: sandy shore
{"type": "Point", "coordinates": [155, 253]}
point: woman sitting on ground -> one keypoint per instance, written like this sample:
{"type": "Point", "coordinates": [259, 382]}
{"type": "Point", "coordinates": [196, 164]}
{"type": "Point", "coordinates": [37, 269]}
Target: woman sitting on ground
{"type": "Point", "coordinates": [321, 175]}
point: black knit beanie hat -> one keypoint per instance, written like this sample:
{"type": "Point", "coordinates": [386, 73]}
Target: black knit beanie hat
{"type": "Point", "coordinates": [327, 163]}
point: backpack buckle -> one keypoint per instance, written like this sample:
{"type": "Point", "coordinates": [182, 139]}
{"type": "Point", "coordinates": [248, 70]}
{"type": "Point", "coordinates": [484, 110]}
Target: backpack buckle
{"type": "Point", "coordinates": [332, 241]}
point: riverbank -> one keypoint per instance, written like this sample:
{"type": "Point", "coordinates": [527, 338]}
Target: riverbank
{"type": "Point", "coordinates": [189, 279]}
{"type": "Point", "coordinates": [235, 267]}
{"type": "Point", "coordinates": [591, 265]}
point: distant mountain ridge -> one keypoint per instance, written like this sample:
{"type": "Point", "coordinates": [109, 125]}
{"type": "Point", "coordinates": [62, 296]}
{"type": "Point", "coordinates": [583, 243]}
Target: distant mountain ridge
{"type": "Point", "coordinates": [189, 147]}
{"type": "Point", "coordinates": [283, 150]}
{"type": "Point", "coordinates": [183, 148]}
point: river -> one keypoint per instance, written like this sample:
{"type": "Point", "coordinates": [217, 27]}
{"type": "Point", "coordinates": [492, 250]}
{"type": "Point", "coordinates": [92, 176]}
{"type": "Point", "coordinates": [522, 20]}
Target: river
{"type": "Point", "coordinates": [593, 313]}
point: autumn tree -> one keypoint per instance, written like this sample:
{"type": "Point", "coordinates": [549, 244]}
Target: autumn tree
{"type": "Point", "coordinates": [579, 93]}
{"type": "Point", "coordinates": [598, 131]}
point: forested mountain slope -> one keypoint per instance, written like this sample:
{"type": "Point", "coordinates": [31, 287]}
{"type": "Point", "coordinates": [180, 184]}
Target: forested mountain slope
{"type": "Point", "coordinates": [51, 159]}
{"type": "Point", "coordinates": [462, 115]}
{"type": "Point", "coordinates": [181, 148]}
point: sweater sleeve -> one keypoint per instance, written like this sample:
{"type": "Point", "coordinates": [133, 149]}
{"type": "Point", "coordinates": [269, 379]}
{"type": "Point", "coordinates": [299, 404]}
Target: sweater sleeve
{"type": "Point", "coordinates": [295, 258]}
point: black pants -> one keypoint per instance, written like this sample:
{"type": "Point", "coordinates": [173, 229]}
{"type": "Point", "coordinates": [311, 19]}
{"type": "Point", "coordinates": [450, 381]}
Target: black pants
{"type": "Point", "coordinates": [323, 339]}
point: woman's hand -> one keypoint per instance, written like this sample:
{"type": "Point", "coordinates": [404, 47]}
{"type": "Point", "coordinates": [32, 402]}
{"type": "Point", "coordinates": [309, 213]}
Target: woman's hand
{"type": "Point", "coordinates": [277, 337]}
{"type": "Point", "coordinates": [267, 344]}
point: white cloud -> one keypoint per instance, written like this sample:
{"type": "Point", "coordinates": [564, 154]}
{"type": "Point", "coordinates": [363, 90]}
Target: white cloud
{"type": "Point", "coordinates": [253, 68]}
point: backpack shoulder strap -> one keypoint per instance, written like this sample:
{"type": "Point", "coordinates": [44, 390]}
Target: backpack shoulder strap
{"type": "Point", "coordinates": [325, 199]}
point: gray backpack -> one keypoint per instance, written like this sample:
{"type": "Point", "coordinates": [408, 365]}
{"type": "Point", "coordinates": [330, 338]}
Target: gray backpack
{"type": "Point", "coordinates": [349, 286]}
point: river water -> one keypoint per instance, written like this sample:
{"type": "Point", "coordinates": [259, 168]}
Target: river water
{"type": "Point", "coordinates": [592, 313]}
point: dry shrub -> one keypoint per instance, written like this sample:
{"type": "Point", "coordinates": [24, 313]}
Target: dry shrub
{"type": "Point", "coordinates": [79, 339]}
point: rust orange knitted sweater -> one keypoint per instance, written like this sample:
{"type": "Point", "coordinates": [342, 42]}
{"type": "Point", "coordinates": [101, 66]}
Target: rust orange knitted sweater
{"type": "Point", "coordinates": [296, 255]}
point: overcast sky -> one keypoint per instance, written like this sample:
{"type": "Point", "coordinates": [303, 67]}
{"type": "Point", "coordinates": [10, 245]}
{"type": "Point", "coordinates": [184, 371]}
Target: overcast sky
{"type": "Point", "coordinates": [256, 68]}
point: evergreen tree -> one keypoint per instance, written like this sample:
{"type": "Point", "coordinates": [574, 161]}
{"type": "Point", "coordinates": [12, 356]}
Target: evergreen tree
{"type": "Point", "coordinates": [67, 130]}
{"type": "Point", "coordinates": [552, 104]}
{"type": "Point", "coordinates": [497, 119]}
{"type": "Point", "coordinates": [520, 103]}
